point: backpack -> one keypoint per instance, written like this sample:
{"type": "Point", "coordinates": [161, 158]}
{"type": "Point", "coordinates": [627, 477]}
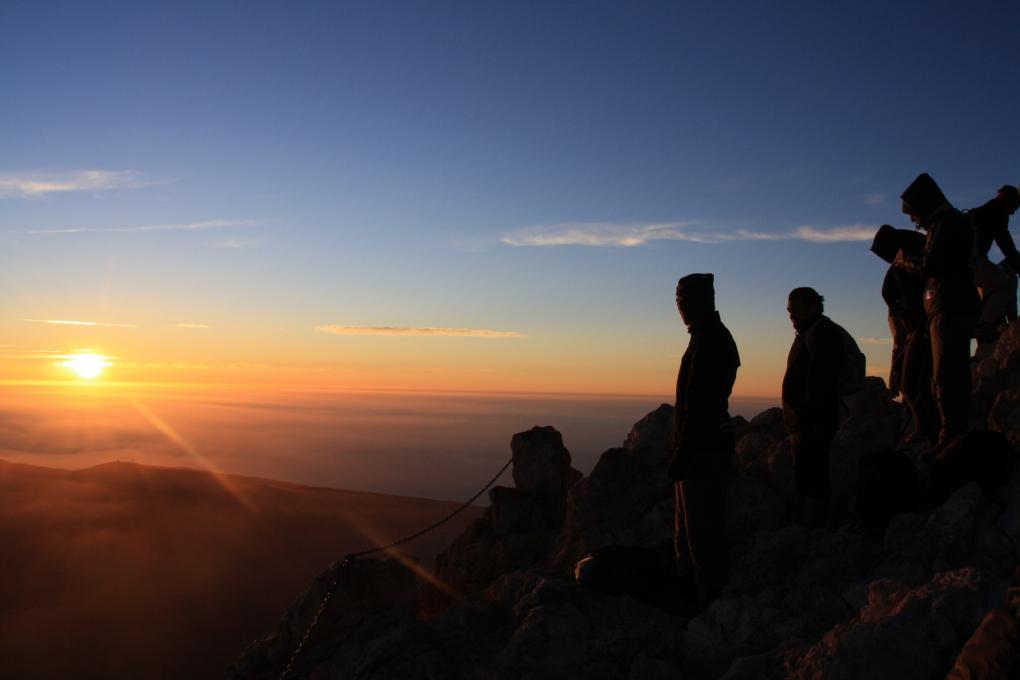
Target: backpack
{"type": "Point", "coordinates": [852, 367]}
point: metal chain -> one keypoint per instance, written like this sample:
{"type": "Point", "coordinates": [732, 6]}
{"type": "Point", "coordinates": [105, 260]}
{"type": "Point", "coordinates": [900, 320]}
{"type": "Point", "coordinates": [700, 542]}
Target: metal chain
{"type": "Point", "coordinates": [464, 506]}
{"type": "Point", "coordinates": [350, 557]}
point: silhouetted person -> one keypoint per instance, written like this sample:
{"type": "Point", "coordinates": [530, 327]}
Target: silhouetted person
{"type": "Point", "coordinates": [951, 302]}
{"type": "Point", "coordinates": [903, 292]}
{"type": "Point", "coordinates": [811, 399]}
{"type": "Point", "coordinates": [702, 437]}
{"type": "Point", "coordinates": [997, 286]}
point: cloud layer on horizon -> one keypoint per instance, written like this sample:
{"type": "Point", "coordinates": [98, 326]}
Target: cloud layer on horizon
{"type": "Point", "coordinates": [613, 235]}
{"type": "Point", "coordinates": [401, 331]}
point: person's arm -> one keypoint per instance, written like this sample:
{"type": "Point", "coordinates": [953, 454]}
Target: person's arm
{"type": "Point", "coordinates": [823, 376]}
{"type": "Point", "coordinates": [1005, 242]}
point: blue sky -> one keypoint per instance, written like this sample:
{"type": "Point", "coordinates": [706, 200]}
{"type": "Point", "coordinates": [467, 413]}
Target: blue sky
{"type": "Point", "coordinates": [382, 164]}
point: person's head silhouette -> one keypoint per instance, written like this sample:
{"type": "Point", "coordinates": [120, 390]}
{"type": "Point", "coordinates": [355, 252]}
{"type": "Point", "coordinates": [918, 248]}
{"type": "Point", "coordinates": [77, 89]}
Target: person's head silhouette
{"type": "Point", "coordinates": [695, 297]}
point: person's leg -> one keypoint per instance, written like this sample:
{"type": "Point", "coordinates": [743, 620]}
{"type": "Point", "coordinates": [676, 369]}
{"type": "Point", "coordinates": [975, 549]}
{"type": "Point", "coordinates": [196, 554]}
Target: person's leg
{"type": "Point", "coordinates": [950, 347]}
{"type": "Point", "coordinates": [917, 384]}
{"type": "Point", "coordinates": [704, 504]}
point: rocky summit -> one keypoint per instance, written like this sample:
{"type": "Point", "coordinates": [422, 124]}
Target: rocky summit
{"type": "Point", "coordinates": [915, 577]}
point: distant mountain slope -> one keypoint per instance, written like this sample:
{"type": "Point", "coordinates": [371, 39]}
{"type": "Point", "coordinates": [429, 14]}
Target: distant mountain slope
{"type": "Point", "coordinates": [129, 571]}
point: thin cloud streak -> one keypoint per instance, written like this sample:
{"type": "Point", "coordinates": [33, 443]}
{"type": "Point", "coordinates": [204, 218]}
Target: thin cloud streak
{"type": "Point", "coordinates": [174, 226]}
{"type": "Point", "coordinates": [237, 243]}
{"type": "Point", "coordinates": [401, 331]}
{"type": "Point", "coordinates": [607, 235]}
{"type": "Point", "coordinates": [38, 184]}
{"type": "Point", "coordinates": [72, 322]}
{"type": "Point", "coordinates": [193, 325]}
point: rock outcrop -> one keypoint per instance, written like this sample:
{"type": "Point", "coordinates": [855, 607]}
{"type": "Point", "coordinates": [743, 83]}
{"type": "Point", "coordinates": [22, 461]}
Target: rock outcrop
{"type": "Point", "coordinates": [898, 601]}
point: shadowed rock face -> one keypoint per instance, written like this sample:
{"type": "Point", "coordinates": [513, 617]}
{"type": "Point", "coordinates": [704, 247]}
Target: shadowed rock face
{"type": "Point", "coordinates": [801, 603]}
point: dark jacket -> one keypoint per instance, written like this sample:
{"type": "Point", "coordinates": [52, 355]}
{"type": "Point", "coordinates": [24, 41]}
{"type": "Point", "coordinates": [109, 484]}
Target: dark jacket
{"type": "Point", "coordinates": [947, 262]}
{"type": "Point", "coordinates": [991, 224]}
{"type": "Point", "coordinates": [811, 383]}
{"type": "Point", "coordinates": [707, 372]}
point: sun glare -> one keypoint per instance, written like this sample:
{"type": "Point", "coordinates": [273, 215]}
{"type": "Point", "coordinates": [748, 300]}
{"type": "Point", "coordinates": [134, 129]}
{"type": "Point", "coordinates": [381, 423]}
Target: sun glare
{"type": "Point", "coordinates": [86, 366]}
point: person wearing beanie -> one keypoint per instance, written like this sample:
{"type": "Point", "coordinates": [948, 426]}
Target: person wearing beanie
{"type": "Point", "coordinates": [997, 287]}
{"type": "Point", "coordinates": [951, 302]}
{"type": "Point", "coordinates": [703, 442]}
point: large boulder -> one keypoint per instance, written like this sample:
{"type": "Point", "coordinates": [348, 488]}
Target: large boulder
{"type": "Point", "coordinates": [541, 462]}
{"type": "Point", "coordinates": [628, 497]}
{"type": "Point", "coordinates": [519, 528]}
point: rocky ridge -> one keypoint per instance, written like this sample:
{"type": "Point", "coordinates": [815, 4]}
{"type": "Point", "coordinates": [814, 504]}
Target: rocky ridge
{"type": "Point", "coordinates": [899, 601]}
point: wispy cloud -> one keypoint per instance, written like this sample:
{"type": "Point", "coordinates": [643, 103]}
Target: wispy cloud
{"type": "Point", "coordinates": [876, 198]}
{"type": "Point", "coordinates": [37, 184]}
{"type": "Point", "coordinates": [237, 243]}
{"type": "Point", "coordinates": [418, 332]}
{"type": "Point", "coordinates": [172, 226]}
{"type": "Point", "coordinates": [875, 341]}
{"type": "Point", "coordinates": [601, 234]}
{"type": "Point", "coordinates": [71, 322]}
{"type": "Point", "coordinates": [192, 325]}
{"type": "Point", "coordinates": [609, 235]}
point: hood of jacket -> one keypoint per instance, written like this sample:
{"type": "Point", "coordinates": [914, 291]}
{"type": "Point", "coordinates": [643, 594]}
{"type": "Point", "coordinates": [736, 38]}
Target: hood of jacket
{"type": "Point", "coordinates": [924, 196]}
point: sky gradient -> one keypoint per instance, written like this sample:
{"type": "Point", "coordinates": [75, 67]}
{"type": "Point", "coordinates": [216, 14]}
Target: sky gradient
{"type": "Point", "coordinates": [492, 197]}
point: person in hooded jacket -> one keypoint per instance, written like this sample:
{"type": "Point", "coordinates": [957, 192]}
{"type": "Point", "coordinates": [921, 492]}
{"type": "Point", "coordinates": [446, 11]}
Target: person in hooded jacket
{"type": "Point", "coordinates": [951, 302]}
{"type": "Point", "coordinates": [903, 292]}
{"type": "Point", "coordinates": [997, 286]}
{"type": "Point", "coordinates": [811, 399]}
{"type": "Point", "coordinates": [702, 438]}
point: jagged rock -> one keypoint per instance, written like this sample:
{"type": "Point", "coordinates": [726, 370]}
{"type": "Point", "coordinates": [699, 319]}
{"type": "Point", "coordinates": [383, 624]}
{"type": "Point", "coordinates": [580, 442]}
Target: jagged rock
{"type": "Point", "coordinates": [874, 401]}
{"type": "Point", "coordinates": [370, 598]}
{"type": "Point", "coordinates": [998, 372]}
{"type": "Point", "coordinates": [993, 651]}
{"type": "Point", "coordinates": [903, 632]}
{"type": "Point", "coordinates": [520, 527]}
{"type": "Point", "coordinates": [770, 422]}
{"type": "Point", "coordinates": [740, 427]}
{"type": "Point", "coordinates": [541, 462]}
{"type": "Point", "coordinates": [628, 497]}
{"type": "Point", "coordinates": [799, 604]}
{"type": "Point", "coordinates": [860, 436]}
{"type": "Point", "coordinates": [781, 475]}
{"type": "Point", "coordinates": [752, 454]}
{"type": "Point", "coordinates": [650, 440]}
{"type": "Point", "coordinates": [752, 506]}
{"type": "Point", "coordinates": [564, 631]}
{"type": "Point", "coordinates": [1005, 415]}
{"type": "Point", "coordinates": [730, 628]}
{"type": "Point", "coordinates": [954, 522]}
{"type": "Point", "coordinates": [909, 550]}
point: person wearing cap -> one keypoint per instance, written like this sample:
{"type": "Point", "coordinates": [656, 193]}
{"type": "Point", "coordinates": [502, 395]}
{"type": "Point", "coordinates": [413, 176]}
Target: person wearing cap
{"type": "Point", "coordinates": [997, 287]}
{"type": "Point", "coordinates": [910, 366]}
{"type": "Point", "coordinates": [951, 302]}
{"type": "Point", "coordinates": [702, 438]}
{"type": "Point", "coordinates": [811, 399]}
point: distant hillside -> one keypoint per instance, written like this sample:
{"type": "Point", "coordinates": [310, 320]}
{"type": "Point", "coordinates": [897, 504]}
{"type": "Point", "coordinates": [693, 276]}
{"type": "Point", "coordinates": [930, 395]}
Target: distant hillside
{"type": "Point", "coordinates": [128, 571]}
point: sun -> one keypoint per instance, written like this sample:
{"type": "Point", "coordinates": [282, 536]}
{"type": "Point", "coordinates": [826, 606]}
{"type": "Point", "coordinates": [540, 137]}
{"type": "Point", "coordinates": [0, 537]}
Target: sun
{"type": "Point", "coordinates": [86, 366]}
